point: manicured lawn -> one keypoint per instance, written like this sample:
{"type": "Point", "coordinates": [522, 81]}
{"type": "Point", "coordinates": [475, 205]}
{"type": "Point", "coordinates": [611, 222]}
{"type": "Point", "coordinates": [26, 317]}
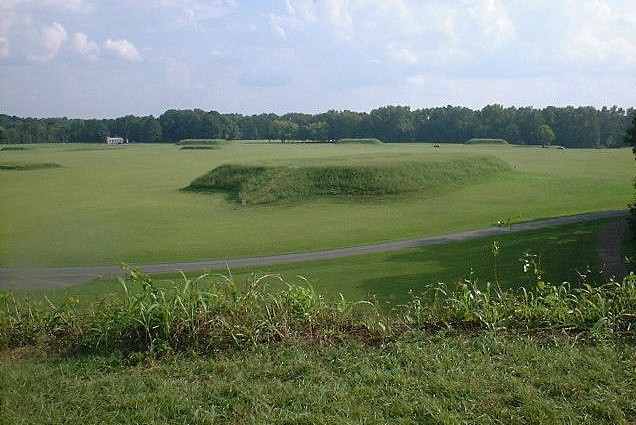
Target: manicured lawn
{"type": "Point", "coordinates": [111, 204]}
{"type": "Point", "coordinates": [564, 253]}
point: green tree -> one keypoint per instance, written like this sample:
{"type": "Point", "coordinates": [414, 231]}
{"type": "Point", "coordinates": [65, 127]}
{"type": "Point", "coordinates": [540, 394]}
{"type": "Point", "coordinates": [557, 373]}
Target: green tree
{"type": "Point", "coordinates": [316, 131]}
{"type": "Point", "coordinates": [284, 129]}
{"type": "Point", "coordinates": [544, 135]}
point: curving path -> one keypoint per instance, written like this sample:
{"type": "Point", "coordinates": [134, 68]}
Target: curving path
{"type": "Point", "coordinates": [56, 277]}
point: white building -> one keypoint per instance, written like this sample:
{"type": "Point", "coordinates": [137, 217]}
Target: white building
{"type": "Point", "coordinates": [115, 140]}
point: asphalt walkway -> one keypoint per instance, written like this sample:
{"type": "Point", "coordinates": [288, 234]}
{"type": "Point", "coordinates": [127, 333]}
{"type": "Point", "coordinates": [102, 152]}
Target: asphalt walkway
{"type": "Point", "coordinates": [56, 277]}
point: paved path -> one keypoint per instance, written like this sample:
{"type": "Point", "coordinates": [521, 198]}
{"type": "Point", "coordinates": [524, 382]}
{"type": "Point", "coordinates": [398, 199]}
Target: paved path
{"type": "Point", "coordinates": [55, 277]}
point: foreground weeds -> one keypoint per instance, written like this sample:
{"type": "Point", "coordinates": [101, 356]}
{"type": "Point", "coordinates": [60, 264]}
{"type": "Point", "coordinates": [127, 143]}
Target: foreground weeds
{"type": "Point", "coordinates": [212, 313]}
{"type": "Point", "coordinates": [209, 350]}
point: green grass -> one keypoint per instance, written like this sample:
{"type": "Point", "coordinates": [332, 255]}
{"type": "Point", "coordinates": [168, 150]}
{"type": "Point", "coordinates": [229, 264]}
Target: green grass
{"type": "Point", "coordinates": [211, 349]}
{"type": "Point", "coordinates": [481, 379]}
{"type": "Point", "coordinates": [261, 185]}
{"type": "Point", "coordinates": [566, 253]}
{"type": "Point", "coordinates": [207, 353]}
{"type": "Point", "coordinates": [486, 142]}
{"type": "Point", "coordinates": [107, 205]}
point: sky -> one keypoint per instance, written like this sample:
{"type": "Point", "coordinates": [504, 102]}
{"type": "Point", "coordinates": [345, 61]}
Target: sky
{"type": "Point", "coordinates": [110, 58]}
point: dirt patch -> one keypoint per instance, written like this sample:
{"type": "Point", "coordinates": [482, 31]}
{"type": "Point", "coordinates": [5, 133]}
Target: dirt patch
{"type": "Point", "coordinates": [611, 256]}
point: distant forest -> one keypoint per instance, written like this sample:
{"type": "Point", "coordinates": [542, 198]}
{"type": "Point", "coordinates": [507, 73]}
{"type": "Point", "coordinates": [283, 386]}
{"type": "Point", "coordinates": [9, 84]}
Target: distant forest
{"type": "Point", "coordinates": [572, 127]}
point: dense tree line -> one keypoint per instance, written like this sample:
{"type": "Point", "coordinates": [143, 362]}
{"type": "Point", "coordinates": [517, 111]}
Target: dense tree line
{"type": "Point", "coordinates": [567, 126]}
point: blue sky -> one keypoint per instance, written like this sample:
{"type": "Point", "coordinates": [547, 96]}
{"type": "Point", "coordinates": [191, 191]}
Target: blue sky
{"type": "Point", "coordinates": [89, 58]}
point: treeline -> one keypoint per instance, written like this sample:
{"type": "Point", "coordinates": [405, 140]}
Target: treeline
{"type": "Point", "coordinates": [575, 127]}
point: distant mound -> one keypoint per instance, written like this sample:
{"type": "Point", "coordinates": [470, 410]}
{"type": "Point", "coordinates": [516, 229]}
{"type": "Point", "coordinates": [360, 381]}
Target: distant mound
{"type": "Point", "coordinates": [367, 141]}
{"type": "Point", "coordinates": [258, 184]}
{"type": "Point", "coordinates": [487, 142]}
{"type": "Point", "coordinates": [14, 148]}
{"type": "Point", "coordinates": [199, 147]}
{"type": "Point", "coordinates": [201, 142]}
{"type": "Point", "coordinates": [21, 166]}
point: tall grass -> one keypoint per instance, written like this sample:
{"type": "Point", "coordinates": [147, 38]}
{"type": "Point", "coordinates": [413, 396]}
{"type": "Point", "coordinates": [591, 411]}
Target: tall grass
{"type": "Point", "coordinates": [212, 312]}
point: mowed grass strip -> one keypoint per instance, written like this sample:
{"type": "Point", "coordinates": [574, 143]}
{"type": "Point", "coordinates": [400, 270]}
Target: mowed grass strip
{"type": "Point", "coordinates": [110, 204]}
{"type": "Point", "coordinates": [262, 184]}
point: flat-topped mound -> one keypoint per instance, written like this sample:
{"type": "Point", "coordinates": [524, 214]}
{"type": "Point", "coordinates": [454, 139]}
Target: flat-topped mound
{"type": "Point", "coordinates": [260, 184]}
{"type": "Point", "coordinates": [361, 141]}
{"type": "Point", "coordinates": [201, 142]}
{"type": "Point", "coordinates": [478, 141]}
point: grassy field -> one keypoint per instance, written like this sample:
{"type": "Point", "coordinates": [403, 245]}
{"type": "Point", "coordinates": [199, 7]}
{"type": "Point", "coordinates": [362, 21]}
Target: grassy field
{"type": "Point", "coordinates": [107, 204]}
{"type": "Point", "coordinates": [210, 354]}
{"type": "Point", "coordinates": [565, 253]}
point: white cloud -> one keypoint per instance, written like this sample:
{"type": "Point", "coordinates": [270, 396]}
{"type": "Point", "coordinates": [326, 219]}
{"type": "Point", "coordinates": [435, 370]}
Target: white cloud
{"type": "Point", "coordinates": [599, 32]}
{"type": "Point", "coordinates": [495, 27]}
{"type": "Point", "coordinates": [177, 73]}
{"type": "Point", "coordinates": [123, 48]}
{"type": "Point", "coordinates": [52, 37]}
{"type": "Point", "coordinates": [86, 48]}
{"type": "Point", "coordinates": [194, 12]}
{"type": "Point", "coordinates": [339, 17]}
{"type": "Point", "coordinates": [404, 54]}
{"type": "Point", "coordinates": [4, 46]}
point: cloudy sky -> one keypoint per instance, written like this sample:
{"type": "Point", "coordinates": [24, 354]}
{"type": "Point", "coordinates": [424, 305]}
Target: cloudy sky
{"type": "Point", "coordinates": [109, 58]}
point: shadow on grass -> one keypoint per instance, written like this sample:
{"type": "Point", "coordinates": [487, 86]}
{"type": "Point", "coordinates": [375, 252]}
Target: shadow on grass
{"type": "Point", "coordinates": [568, 253]}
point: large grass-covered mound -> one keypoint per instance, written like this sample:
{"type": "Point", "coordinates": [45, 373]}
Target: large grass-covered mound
{"type": "Point", "coordinates": [478, 141]}
{"type": "Point", "coordinates": [361, 141]}
{"type": "Point", "coordinates": [260, 184]}
{"type": "Point", "coordinates": [201, 142]}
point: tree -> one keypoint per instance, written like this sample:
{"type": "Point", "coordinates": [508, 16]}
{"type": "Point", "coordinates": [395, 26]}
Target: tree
{"type": "Point", "coordinates": [392, 123]}
{"type": "Point", "coordinates": [544, 135]}
{"type": "Point", "coordinates": [284, 129]}
{"type": "Point", "coordinates": [315, 131]}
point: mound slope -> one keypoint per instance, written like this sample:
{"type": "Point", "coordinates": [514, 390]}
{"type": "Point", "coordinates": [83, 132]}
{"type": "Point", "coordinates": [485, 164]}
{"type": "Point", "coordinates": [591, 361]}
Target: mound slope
{"type": "Point", "coordinates": [260, 184]}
